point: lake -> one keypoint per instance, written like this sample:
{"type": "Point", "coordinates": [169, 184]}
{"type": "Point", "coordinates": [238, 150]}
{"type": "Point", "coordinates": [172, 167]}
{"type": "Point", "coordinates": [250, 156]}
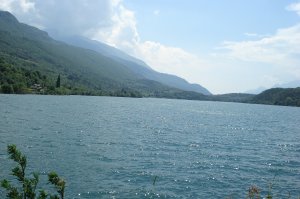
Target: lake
{"type": "Point", "coordinates": [115, 147]}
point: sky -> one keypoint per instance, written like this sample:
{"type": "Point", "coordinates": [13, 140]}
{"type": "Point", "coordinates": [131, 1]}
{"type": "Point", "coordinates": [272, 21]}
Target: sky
{"type": "Point", "coordinates": [225, 46]}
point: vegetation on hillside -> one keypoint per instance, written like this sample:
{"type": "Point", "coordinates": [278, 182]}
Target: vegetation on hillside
{"type": "Point", "coordinates": [135, 65]}
{"type": "Point", "coordinates": [232, 97]}
{"type": "Point", "coordinates": [23, 77]}
{"type": "Point", "coordinates": [278, 96]}
{"type": "Point", "coordinates": [20, 80]}
{"type": "Point", "coordinates": [81, 71]}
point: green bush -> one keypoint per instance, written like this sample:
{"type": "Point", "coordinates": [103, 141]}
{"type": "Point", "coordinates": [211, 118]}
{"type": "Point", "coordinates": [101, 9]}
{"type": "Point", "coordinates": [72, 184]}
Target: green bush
{"type": "Point", "coordinates": [28, 188]}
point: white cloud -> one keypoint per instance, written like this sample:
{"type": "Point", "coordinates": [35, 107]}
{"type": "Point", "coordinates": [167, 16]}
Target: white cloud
{"type": "Point", "coordinates": [122, 33]}
{"type": "Point", "coordinates": [255, 35]}
{"type": "Point", "coordinates": [172, 60]}
{"type": "Point", "coordinates": [294, 7]}
{"type": "Point", "coordinates": [249, 34]}
{"type": "Point", "coordinates": [281, 49]}
{"type": "Point", "coordinates": [26, 6]}
{"type": "Point", "coordinates": [17, 5]}
{"type": "Point", "coordinates": [6, 5]}
{"type": "Point", "coordinates": [268, 60]}
{"type": "Point", "coordinates": [67, 16]}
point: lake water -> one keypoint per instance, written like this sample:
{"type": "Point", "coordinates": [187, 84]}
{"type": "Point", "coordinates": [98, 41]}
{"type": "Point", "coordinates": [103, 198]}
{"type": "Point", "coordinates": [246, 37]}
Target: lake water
{"type": "Point", "coordinates": [114, 147]}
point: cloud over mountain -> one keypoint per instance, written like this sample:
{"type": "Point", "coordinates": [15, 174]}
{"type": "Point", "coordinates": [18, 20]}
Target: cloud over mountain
{"type": "Point", "coordinates": [107, 21]}
{"type": "Point", "coordinates": [273, 55]}
{"type": "Point", "coordinates": [68, 16]}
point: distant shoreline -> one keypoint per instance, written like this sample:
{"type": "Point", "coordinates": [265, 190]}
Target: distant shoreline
{"type": "Point", "coordinates": [213, 98]}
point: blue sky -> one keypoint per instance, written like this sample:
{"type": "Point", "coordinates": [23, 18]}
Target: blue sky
{"type": "Point", "coordinates": [201, 25]}
{"type": "Point", "coordinates": [226, 46]}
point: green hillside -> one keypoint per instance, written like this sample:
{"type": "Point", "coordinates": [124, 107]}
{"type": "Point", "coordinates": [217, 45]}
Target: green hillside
{"type": "Point", "coordinates": [82, 71]}
{"type": "Point", "coordinates": [232, 97]}
{"type": "Point", "coordinates": [279, 96]}
{"type": "Point", "coordinates": [137, 66]}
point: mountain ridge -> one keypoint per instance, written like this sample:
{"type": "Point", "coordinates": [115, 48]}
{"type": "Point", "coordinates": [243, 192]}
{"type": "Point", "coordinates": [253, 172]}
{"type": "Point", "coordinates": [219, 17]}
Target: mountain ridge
{"type": "Point", "coordinates": [278, 96]}
{"type": "Point", "coordinates": [134, 64]}
{"type": "Point", "coordinates": [26, 47]}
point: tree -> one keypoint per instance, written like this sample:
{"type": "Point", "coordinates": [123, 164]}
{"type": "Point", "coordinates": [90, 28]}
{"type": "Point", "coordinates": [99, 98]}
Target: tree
{"type": "Point", "coordinates": [19, 88]}
{"type": "Point", "coordinates": [58, 81]}
{"type": "Point", "coordinates": [7, 88]}
{"type": "Point", "coordinates": [29, 185]}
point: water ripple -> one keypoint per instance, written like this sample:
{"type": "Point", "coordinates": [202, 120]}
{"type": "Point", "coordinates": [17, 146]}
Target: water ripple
{"type": "Point", "coordinates": [116, 147]}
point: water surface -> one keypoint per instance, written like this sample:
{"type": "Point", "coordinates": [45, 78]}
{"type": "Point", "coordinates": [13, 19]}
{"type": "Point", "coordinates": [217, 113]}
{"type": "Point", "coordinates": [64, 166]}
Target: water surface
{"type": "Point", "coordinates": [114, 147]}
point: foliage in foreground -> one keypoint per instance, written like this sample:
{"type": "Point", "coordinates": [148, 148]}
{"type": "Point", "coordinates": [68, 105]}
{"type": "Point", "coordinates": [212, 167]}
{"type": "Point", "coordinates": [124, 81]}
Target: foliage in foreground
{"type": "Point", "coordinates": [254, 192]}
{"type": "Point", "coordinates": [28, 188]}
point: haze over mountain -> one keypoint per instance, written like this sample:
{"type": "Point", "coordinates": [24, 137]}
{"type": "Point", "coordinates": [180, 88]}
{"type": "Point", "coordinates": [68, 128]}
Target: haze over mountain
{"type": "Point", "coordinates": [136, 65]}
{"type": "Point", "coordinates": [292, 84]}
{"type": "Point", "coordinates": [256, 90]}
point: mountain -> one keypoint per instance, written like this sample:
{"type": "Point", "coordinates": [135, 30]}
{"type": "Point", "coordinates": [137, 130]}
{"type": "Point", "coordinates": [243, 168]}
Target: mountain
{"type": "Point", "coordinates": [136, 65]}
{"type": "Point", "coordinates": [29, 56]}
{"type": "Point", "coordinates": [279, 96]}
{"type": "Point", "coordinates": [102, 48]}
